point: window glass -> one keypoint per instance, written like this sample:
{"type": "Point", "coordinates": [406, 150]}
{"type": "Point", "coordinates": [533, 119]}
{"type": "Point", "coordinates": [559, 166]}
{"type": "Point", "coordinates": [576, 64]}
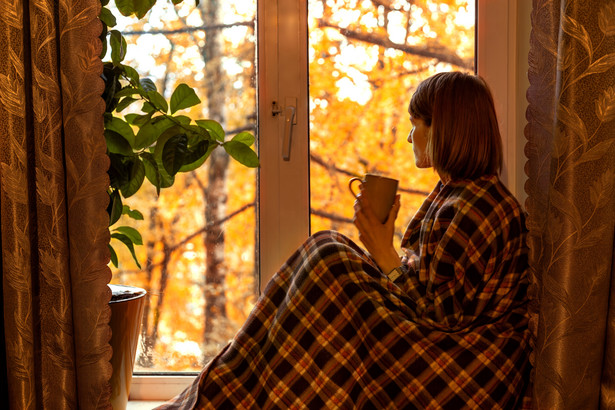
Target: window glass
{"type": "Point", "coordinates": [366, 59]}
{"type": "Point", "coordinates": [198, 256]}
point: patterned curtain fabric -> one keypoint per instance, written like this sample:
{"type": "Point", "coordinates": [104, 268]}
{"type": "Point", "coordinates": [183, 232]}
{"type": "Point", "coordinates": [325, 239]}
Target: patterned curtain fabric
{"type": "Point", "coordinates": [571, 169]}
{"type": "Point", "coordinates": [53, 200]}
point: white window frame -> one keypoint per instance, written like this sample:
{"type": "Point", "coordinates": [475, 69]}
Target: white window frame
{"type": "Point", "coordinates": [284, 216]}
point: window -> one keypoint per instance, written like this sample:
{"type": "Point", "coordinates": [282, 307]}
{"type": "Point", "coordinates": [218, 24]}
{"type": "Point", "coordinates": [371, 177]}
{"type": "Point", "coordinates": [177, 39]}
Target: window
{"type": "Point", "coordinates": [279, 210]}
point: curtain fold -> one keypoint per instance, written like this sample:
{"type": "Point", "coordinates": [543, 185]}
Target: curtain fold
{"type": "Point", "coordinates": [571, 202]}
{"type": "Point", "coordinates": [53, 200]}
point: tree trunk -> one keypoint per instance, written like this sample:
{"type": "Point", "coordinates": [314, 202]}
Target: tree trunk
{"type": "Point", "coordinates": [216, 192]}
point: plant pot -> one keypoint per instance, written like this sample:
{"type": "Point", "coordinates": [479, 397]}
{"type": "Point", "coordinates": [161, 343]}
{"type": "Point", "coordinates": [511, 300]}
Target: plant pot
{"type": "Point", "coordinates": [126, 305]}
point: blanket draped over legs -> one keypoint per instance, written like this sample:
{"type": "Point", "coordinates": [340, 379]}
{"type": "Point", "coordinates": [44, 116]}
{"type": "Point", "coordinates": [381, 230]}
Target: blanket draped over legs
{"type": "Point", "coordinates": [332, 331]}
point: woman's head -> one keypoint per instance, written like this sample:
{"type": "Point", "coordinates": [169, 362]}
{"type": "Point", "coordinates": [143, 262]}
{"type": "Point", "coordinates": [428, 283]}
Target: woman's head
{"type": "Point", "coordinates": [464, 138]}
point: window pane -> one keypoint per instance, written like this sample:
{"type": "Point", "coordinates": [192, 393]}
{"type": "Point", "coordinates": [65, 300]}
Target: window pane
{"type": "Point", "coordinates": [198, 257]}
{"type": "Point", "coordinates": [366, 59]}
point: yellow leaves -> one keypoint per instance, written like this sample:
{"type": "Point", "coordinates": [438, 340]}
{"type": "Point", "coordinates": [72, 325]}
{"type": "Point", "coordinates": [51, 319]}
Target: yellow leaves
{"type": "Point", "coordinates": [605, 105]}
{"type": "Point", "coordinates": [568, 208]}
{"type": "Point", "coordinates": [75, 21]}
{"type": "Point", "coordinates": [572, 121]}
{"type": "Point", "coordinates": [601, 65]}
{"type": "Point", "coordinates": [578, 32]}
{"type": "Point", "coordinates": [46, 189]}
{"type": "Point", "coordinates": [89, 59]}
{"type": "Point", "coordinates": [17, 63]}
{"type": "Point", "coordinates": [606, 19]}
{"type": "Point", "coordinates": [15, 262]}
{"type": "Point", "coordinates": [12, 95]}
{"type": "Point", "coordinates": [15, 184]}
{"type": "Point", "coordinates": [601, 190]}
{"type": "Point", "coordinates": [596, 152]}
{"type": "Point", "coordinates": [11, 13]}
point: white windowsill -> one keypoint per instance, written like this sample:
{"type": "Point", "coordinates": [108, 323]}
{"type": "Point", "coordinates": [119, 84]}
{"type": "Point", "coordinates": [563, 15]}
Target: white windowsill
{"type": "Point", "coordinates": [143, 405]}
{"type": "Point", "coordinates": [155, 388]}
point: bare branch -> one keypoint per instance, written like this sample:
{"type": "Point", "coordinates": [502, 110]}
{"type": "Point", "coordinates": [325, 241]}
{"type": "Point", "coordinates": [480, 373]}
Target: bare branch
{"type": "Point", "coordinates": [427, 52]}
{"type": "Point", "coordinates": [206, 227]}
{"type": "Point", "coordinates": [249, 23]}
{"type": "Point", "coordinates": [330, 216]}
{"type": "Point", "coordinates": [320, 161]}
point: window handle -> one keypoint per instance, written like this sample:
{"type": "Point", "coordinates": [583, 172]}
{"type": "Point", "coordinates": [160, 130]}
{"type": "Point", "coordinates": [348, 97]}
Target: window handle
{"type": "Point", "coordinates": [289, 121]}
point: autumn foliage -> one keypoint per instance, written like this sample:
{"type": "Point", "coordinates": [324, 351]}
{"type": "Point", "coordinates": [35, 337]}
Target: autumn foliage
{"type": "Point", "coordinates": [366, 57]}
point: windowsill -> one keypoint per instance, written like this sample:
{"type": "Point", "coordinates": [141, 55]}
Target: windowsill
{"type": "Point", "coordinates": [153, 390]}
{"type": "Point", "coordinates": [143, 404]}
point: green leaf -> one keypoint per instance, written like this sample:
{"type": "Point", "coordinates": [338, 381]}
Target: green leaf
{"type": "Point", "coordinates": [126, 7]}
{"type": "Point", "coordinates": [131, 75]}
{"type": "Point", "coordinates": [132, 213]}
{"type": "Point", "coordinates": [155, 172]}
{"type": "Point", "coordinates": [152, 172]}
{"type": "Point", "coordinates": [158, 101]}
{"type": "Point", "coordinates": [183, 97]}
{"type": "Point", "coordinates": [242, 153]}
{"type": "Point", "coordinates": [118, 47]}
{"type": "Point", "coordinates": [147, 84]}
{"type": "Point", "coordinates": [114, 260]}
{"type": "Point", "coordinates": [103, 40]}
{"type": "Point", "coordinates": [121, 127]}
{"type": "Point", "coordinates": [174, 153]}
{"type": "Point", "coordinates": [151, 131]}
{"type": "Point", "coordinates": [135, 178]}
{"type": "Point", "coordinates": [142, 7]}
{"type": "Point", "coordinates": [138, 120]}
{"type": "Point", "coordinates": [131, 233]}
{"type": "Point", "coordinates": [196, 153]}
{"type": "Point", "coordinates": [148, 108]}
{"type": "Point", "coordinates": [115, 207]}
{"type": "Point", "coordinates": [111, 76]}
{"type": "Point", "coordinates": [200, 161]}
{"type": "Point", "coordinates": [182, 119]}
{"type": "Point", "coordinates": [119, 170]}
{"type": "Point", "coordinates": [117, 144]}
{"type": "Point", "coordinates": [126, 241]}
{"type": "Point", "coordinates": [125, 102]}
{"type": "Point", "coordinates": [213, 127]}
{"type": "Point", "coordinates": [107, 17]}
{"type": "Point", "coordinates": [127, 91]}
{"type": "Point", "coordinates": [245, 138]}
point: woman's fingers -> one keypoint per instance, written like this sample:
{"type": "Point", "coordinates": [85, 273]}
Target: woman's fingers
{"type": "Point", "coordinates": [394, 211]}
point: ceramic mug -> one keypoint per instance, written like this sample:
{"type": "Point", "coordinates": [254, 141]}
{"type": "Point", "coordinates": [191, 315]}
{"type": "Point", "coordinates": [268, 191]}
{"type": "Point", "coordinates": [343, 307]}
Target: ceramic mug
{"type": "Point", "coordinates": [380, 192]}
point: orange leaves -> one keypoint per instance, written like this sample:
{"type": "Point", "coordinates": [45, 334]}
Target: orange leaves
{"type": "Point", "coordinates": [363, 70]}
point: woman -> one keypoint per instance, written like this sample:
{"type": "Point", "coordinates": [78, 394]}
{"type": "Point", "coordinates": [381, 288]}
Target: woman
{"type": "Point", "coordinates": [445, 326]}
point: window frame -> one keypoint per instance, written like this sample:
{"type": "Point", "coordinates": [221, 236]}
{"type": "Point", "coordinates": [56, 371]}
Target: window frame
{"type": "Point", "coordinates": [503, 28]}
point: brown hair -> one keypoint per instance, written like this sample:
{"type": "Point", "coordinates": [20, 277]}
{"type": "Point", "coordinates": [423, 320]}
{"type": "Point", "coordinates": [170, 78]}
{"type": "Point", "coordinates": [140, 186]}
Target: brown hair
{"type": "Point", "coordinates": [465, 140]}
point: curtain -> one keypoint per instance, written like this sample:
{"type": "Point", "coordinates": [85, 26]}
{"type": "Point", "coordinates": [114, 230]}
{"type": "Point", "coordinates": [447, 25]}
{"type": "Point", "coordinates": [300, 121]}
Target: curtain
{"type": "Point", "coordinates": [571, 202]}
{"type": "Point", "coordinates": [53, 200]}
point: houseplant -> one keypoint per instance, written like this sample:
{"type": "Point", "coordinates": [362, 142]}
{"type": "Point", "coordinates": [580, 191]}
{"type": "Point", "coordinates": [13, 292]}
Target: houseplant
{"type": "Point", "coordinates": [150, 146]}
{"type": "Point", "coordinates": [158, 143]}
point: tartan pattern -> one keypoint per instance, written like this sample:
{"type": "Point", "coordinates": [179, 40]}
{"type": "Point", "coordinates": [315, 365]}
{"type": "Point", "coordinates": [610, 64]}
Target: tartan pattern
{"type": "Point", "coordinates": [332, 331]}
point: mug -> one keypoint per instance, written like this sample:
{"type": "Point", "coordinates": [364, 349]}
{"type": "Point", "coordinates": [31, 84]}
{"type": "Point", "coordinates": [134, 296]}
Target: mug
{"type": "Point", "coordinates": [380, 192]}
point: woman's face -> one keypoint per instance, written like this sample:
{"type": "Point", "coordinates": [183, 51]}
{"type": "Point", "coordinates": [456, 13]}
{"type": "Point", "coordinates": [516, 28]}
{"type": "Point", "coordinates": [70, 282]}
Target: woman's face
{"type": "Point", "coordinates": [418, 139]}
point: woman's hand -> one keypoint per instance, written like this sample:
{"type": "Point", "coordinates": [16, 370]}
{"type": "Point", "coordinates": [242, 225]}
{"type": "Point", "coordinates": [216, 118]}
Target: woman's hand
{"type": "Point", "coordinates": [377, 237]}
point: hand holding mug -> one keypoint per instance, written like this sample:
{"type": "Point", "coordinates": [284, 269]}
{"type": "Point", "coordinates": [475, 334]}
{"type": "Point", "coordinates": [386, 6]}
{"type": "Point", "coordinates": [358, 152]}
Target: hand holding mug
{"type": "Point", "coordinates": [380, 192]}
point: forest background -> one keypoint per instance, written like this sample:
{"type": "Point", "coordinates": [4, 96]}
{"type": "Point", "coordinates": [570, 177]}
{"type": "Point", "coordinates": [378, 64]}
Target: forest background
{"type": "Point", "coordinates": [200, 251]}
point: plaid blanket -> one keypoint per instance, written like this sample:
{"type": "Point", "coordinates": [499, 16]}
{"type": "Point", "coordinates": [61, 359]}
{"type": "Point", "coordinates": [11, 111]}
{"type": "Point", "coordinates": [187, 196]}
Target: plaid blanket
{"type": "Point", "coordinates": [332, 331]}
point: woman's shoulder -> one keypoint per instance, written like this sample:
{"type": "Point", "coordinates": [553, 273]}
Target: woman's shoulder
{"type": "Point", "coordinates": [483, 197]}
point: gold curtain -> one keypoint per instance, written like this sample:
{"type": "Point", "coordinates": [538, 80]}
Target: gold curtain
{"type": "Point", "coordinates": [571, 205]}
{"type": "Point", "coordinates": [53, 199]}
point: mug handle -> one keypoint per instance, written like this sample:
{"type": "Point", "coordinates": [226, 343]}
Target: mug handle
{"type": "Point", "coordinates": [353, 179]}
